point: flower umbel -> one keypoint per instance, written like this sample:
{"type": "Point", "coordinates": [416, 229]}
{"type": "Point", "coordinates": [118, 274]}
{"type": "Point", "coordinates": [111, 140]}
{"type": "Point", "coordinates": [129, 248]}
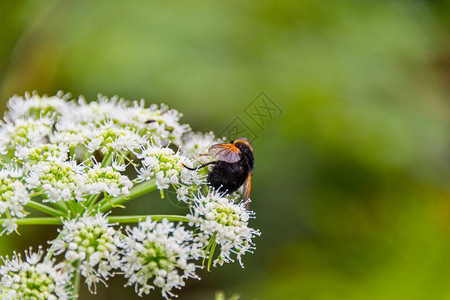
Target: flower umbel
{"type": "Point", "coordinates": [32, 279]}
{"type": "Point", "coordinates": [220, 219]}
{"type": "Point", "coordinates": [90, 241]}
{"type": "Point", "coordinates": [158, 255]}
{"type": "Point", "coordinates": [13, 195]}
{"type": "Point", "coordinates": [74, 163]}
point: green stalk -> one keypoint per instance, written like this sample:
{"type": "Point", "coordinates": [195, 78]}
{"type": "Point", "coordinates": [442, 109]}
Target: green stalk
{"type": "Point", "coordinates": [72, 208]}
{"type": "Point", "coordinates": [76, 280]}
{"type": "Point", "coordinates": [114, 219]}
{"type": "Point", "coordinates": [210, 248]}
{"type": "Point", "coordinates": [61, 206]}
{"type": "Point", "coordinates": [136, 191]}
{"type": "Point", "coordinates": [107, 159]}
{"type": "Point", "coordinates": [156, 218]}
{"type": "Point", "coordinates": [35, 221]}
{"type": "Point", "coordinates": [211, 254]}
{"type": "Point", "coordinates": [51, 250]}
{"type": "Point", "coordinates": [72, 152]}
{"type": "Point", "coordinates": [91, 200]}
{"type": "Point", "coordinates": [45, 209]}
{"type": "Point", "coordinates": [78, 207]}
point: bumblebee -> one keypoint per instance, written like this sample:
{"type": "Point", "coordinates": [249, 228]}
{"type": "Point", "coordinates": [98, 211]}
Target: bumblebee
{"type": "Point", "coordinates": [233, 167]}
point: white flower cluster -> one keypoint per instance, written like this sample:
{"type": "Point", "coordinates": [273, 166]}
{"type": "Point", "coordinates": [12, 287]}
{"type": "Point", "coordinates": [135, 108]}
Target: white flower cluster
{"type": "Point", "coordinates": [32, 279]}
{"type": "Point", "coordinates": [75, 118]}
{"type": "Point", "coordinates": [166, 167]}
{"type": "Point", "coordinates": [218, 217]}
{"type": "Point", "coordinates": [158, 254]}
{"type": "Point", "coordinates": [13, 194]}
{"type": "Point", "coordinates": [107, 137]}
{"type": "Point", "coordinates": [98, 179]}
{"type": "Point", "coordinates": [57, 180]}
{"type": "Point", "coordinates": [91, 241]}
{"type": "Point", "coordinates": [24, 132]}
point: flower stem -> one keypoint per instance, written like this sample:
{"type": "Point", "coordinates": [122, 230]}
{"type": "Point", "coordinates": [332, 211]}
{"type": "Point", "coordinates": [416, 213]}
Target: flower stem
{"type": "Point", "coordinates": [211, 254]}
{"type": "Point", "coordinates": [107, 159]}
{"type": "Point", "coordinates": [60, 206]}
{"type": "Point", "coordinates": [210, 250]}
{"type": "Point", "coordinates": [91, 200]}
{"type": "Point", "coordinates": [76, 280]}
{"type": "Point", "coordinates": [35, 221]}
{"type": "Point", "coordinates": [44, 208]}
{"type": "Point", "coordinates": [113, 219]}
{"type": "Point", "coordinates": [136, 191]}
{"type": "Point", "coordinates": [51, 250]}
{"type": "Point", "coordinates": [135, 219]}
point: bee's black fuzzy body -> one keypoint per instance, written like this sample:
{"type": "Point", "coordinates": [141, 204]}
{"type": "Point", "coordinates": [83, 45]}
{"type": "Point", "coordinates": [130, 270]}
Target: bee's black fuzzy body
{"type": "Point", "coordinates": [228, 177]}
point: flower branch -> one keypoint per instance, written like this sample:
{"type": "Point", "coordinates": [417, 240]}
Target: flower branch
{"type": "Point", "coordinates": [75, 161]}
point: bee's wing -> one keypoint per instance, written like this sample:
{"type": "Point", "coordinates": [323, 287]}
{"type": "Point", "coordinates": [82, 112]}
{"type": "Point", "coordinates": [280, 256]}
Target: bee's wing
{"type": "Point", "coordinates": [225, 152]}
{"type": "Point", "coordinates": [247, 188]}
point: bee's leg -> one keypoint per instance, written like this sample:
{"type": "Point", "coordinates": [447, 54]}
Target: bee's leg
{"type": "Point", "coordinates": [202, 166]}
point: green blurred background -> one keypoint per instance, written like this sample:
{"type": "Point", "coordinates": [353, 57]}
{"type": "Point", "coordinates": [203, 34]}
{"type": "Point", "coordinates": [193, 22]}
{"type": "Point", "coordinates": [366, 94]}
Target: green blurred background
{"type": "Point", "coordinates": [351, 185]}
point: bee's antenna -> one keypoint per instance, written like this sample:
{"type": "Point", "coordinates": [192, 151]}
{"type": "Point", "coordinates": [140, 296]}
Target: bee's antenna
{"type": "Point", "coordinates": [199, 167]}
